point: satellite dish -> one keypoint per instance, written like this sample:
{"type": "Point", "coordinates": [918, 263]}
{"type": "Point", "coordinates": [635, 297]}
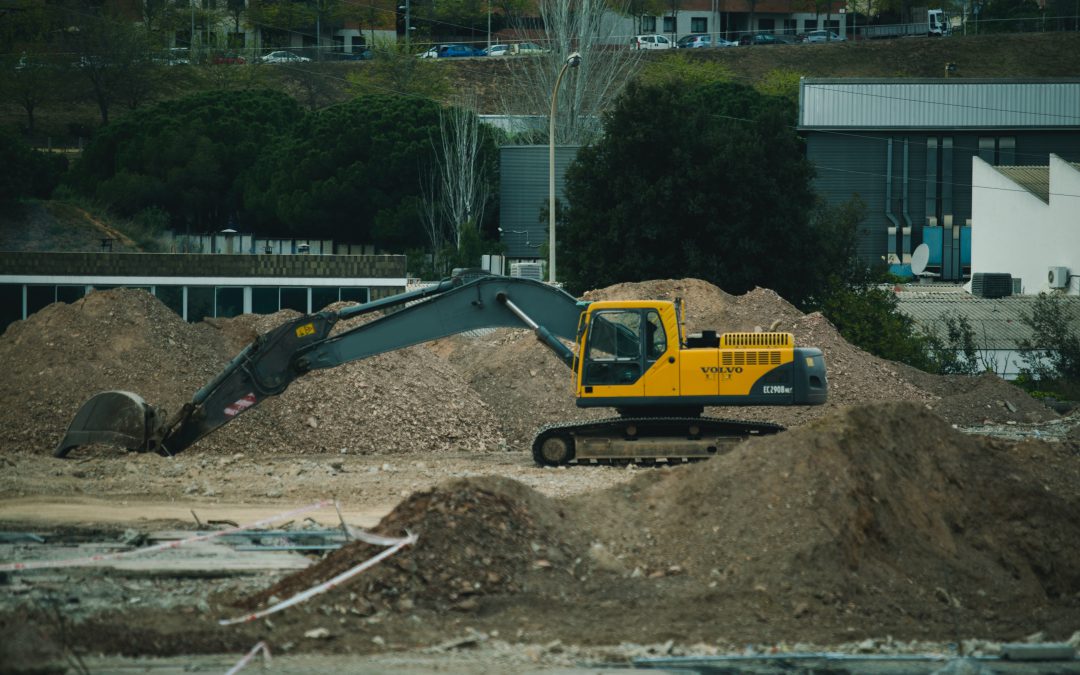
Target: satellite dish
{"type": "Point", "coordinates": [919, 258]}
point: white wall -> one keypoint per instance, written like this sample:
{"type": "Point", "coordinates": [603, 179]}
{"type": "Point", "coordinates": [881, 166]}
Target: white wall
{"type": "Point", "coordinates": [1016, 232]}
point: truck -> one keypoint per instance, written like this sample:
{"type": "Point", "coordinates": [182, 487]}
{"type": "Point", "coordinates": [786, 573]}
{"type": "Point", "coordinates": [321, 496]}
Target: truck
{"type": "Point", "coordinates": [631, 355]}
{"type": "Point", "coordinates": [937, 24]}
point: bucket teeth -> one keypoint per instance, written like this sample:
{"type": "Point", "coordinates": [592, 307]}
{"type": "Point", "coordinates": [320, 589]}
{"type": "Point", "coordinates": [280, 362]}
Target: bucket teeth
{"type": "Point", "coordinates": [112, 418]}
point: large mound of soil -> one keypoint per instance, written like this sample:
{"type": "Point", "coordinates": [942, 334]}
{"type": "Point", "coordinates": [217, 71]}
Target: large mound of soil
{"type": "Point", "coordinates": [483, 393]}
{"type": "Point", "coordinates": [399, 402]}
{"type": "Point", "coordinates": [876, 515]}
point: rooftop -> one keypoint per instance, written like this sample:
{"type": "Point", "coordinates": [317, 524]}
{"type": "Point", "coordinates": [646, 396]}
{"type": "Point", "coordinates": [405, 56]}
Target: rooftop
{"type": "Point", "coordinates": [939, 103]}
{"type": "Point", "coordinates": [998, 322]}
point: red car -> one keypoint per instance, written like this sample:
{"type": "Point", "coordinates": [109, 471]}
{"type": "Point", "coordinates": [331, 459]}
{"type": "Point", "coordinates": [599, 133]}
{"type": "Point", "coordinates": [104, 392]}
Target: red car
{"type": "Point", "coordinates": [227, 59]}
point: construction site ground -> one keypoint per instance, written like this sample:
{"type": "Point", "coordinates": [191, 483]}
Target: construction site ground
{"type": "Point", "coordinates": [912, 514]}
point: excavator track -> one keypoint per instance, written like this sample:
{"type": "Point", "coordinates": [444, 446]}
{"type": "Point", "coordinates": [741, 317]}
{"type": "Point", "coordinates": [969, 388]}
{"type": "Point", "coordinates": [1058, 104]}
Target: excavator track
{"type": "Point", "coordinates": [642, 440]}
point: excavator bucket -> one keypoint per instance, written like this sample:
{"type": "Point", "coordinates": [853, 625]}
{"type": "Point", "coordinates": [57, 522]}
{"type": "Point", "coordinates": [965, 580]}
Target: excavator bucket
{"type": "Point", "coordinates": [112, 418]}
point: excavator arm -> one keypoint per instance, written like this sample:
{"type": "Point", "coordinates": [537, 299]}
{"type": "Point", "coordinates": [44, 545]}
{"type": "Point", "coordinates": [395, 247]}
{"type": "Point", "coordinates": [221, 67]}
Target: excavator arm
{"type": "Point", "coordinates": [267, 366]}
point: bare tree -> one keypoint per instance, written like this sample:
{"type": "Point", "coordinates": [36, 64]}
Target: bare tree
{"type": "Point", "coordinates": [464, 175]}
{"type": "Point", "coordinates": [606, 66]}
{"type": "Point", "coordinates": [434, 225]}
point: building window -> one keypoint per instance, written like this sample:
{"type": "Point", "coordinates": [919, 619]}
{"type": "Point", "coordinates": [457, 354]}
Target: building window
{"type": "Point", "coordinates": [295, 299]}
{"type": "Point", "coordinates": [986, 149]}
{"type": "Point", "coordinates": [1007, 151]}
{"type": "Point", "coordinates": [172, 297]}
{"type": "Point", "coordinates": [321, 296]}
{"type": "Point", "coordinates": [699, 24]}
{"type": "Point", "coordinates": [228, 301]}
{"type": "Point", "coordinates": [766, 25]}
{"type": "Point", "coordinates": [264, 299]}
{"type": "Point", "coordinates": [648, 24]}
{"type": "Point", "coordinates": [360, 295]}
{"type": "Point", "coordinates": [809, 25]}
{"type": "Point", "coordinates": [200, 303]}
{"type": "Point", "coordinates": [669, 24]}
{"type": "Point", "coordinates": [791, 26]}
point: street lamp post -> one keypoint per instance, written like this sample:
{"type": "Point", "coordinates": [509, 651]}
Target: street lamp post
{"type": "Point", "coordinates": [572, 61]}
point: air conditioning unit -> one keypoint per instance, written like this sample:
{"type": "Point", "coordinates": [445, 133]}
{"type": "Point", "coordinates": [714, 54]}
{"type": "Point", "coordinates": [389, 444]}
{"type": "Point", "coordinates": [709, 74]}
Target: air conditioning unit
{"type": "Point", "coordinates": [527, 270]}
{"type": "Point", "coordinates": [991, 285]}
{"type": "Point", "coordinates": [1058, 277]}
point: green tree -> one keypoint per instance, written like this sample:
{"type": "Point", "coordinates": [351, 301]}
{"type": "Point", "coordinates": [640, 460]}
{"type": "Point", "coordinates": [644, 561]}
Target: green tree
{"type": "Point", "coordinates": [868, 316]}
{"type": "Point", "coordinates": [25, 173]}
{"type": "Point", "coordinates": [1052, 355]}
{"type": "Point", "coordinates": [185, 156]}
{"type": "Point", "coordinates": [394, 70]}
{"type": "Point", "coordinates": [705, 181]}
{"type": "Point", "coordinates": [351, 172]}
{"type": "Point", "coordinates": [685, 69]}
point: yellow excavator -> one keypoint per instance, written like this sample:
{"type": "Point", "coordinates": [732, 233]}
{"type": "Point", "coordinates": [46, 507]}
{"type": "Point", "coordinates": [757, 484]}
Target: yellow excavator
{"type": "Point", "coordinates": [631, 355]}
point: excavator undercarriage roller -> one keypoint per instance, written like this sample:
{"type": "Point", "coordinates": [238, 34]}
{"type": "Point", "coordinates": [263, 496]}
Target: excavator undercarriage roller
{"type": "Point", "coordinates": [642, 440]}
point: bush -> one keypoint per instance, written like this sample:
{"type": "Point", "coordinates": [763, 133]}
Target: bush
{"type": "Point", "coordinates": [1052, 355]}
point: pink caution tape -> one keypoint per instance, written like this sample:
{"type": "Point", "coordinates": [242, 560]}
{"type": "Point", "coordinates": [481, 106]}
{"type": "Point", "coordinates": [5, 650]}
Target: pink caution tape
{"type": "Point", "coordinates": [242, 663]}
{"type": "Point", "coordinates": [91, 560]}
{"type": "Point", "coordinates": [327, 585]}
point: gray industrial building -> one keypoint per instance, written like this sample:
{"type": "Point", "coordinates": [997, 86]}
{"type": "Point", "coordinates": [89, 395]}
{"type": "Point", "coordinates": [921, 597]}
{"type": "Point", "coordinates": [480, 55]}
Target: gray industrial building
{"type": "Point", "coordinates": [523, 197]}
{"type": "Point", "coordinates": [905, 147]}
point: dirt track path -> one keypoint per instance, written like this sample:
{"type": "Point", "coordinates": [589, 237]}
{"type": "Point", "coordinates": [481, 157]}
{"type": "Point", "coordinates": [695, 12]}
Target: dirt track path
{"type": "Point", "coordinates": [118, 489]}
{"type": "Point", "coordinates": [38, 512]}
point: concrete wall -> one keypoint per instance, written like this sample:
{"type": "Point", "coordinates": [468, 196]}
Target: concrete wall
{"type": "Point", "coordinates": [1016, 232]}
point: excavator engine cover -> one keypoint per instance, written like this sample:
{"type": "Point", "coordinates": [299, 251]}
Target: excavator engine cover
{"type": "Point", "coordinates": [112, 418]}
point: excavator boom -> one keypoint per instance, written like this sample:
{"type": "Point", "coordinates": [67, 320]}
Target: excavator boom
{"type": "Point", "coordinates": [275, 359]}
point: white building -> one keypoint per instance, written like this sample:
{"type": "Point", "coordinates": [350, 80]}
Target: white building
{"type": "Point", "coordinates": [1026, 223]}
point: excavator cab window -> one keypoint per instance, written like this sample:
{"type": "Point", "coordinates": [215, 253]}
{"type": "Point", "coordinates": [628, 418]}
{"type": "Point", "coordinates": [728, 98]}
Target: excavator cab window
{"type": "Point", "coordinates": [621, 344]}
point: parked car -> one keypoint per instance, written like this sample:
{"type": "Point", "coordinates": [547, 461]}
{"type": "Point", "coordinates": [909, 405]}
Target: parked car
{"type": "Point", "coordinates": [694, 41]}
{"type": "Point", "coordinates": [430, 53]}
{"type": "Point", "coordinates": [452, 51]}
{"type": "Point", "coordinates": [759, 39]}
{"type": "Point", "coordinates": [650, 42]}
{"type": "Point", "coordinates": [358, 54]}
{"type": "Point", "coordinates": [227, 58]}
{"type": "Point", "coordinates": [818, 36]}
{"type": "Point", "coordinates": [284, 57]}
{"type": "Point", "coordinates": [497, 50]}
{"type": "Point", "coordinates": [721, 42]}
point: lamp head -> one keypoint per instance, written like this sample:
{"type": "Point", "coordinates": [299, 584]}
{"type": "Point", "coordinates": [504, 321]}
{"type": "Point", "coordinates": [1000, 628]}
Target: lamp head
{"type": "Point", "coordinates": [574, 60]}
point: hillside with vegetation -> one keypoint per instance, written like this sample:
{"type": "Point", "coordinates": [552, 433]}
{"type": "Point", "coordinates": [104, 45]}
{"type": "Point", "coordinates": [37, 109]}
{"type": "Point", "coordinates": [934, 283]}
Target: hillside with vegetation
{"type": "Point", "coordinates": [62, 115]}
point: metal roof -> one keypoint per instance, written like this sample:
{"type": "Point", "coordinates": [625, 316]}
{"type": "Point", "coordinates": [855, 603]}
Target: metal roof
{"type": "Point", "coordinates": [998, 322]}
{"type": "Point", "coordinates": [945, 103]}
{"type": "Point", "coordinates": [1034, 179]}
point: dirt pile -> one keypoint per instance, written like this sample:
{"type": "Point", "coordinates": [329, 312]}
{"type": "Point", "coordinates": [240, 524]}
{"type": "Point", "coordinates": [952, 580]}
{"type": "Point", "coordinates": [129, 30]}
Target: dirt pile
{"type": "Point", "coordinates": [486, 392]}
{"type": "Point", "coordinates": [882, 512]}
{"type": "Point", "coordinates": [879, 515]}
{"type": "Point", "coordinates": [119, 339]}
{"type": "Point", "coordinates": [477, 537]}
{"type": "Point", "coordinates": [398, 402]}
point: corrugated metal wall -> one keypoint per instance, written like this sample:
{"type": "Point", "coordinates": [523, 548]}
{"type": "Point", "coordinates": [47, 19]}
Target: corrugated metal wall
{"type": "Point", "coordinates": [945, 103]}
{"type": "Point", "coordinates": [523, 195]}
{"type": "Point", "coordinates": [858, 163]}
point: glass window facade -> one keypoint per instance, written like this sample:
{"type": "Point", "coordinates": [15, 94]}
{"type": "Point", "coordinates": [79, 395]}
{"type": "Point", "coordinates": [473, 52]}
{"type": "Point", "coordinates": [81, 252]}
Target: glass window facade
{"type": "Point", "coordinates": [201, 301]}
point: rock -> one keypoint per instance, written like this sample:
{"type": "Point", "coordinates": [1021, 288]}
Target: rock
{"type": "Point", "coordinates": [317, 634]}
{"type": "Point", "coordinates": [603, 559]}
